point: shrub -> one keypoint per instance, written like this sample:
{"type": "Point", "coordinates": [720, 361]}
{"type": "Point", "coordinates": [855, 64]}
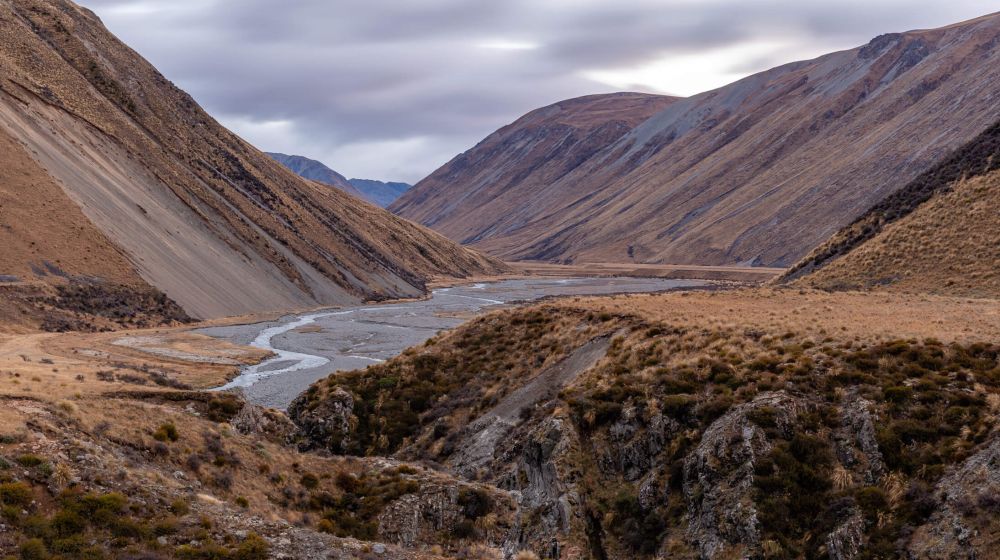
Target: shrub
{"type": "Point", "coordinates": [252, 548]}
{"type": "Point", "coordinates": [464, 529]}
{"type": "Point", "coordinates": [29, 460]}
{"type": "Point", "coordinates": [475, 502]}
{"type": "Point", "coordinates": [180, 507]}
{"type": "Point", "coordinates": [16, 494]}
{"type": "Point", "coordinates": [309, 481]}
{"type": "Point", "coordinates": [166, 432]}
{"type": "Point", "coordinates": [34, 549]}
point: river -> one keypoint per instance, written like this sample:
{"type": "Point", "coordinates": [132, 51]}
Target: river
{"type": "Point", "coordinates": [310, 346]}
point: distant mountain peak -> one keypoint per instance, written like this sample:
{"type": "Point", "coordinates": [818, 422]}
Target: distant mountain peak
{"type": "Point", "coordinates": [379, 193]}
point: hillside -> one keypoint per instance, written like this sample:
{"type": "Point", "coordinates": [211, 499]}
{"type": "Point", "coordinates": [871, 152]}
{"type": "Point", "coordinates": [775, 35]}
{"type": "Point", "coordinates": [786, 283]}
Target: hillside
{"type": "Point", "coordinates": [760, 171]}
{"type": "Point", "coordinates": [133, 185]}
{"type": "Point", "coordinates": [467, 199]}
{"type": "Point", "coordinates": [741, 424]}
{"type": "Point", "coordinates": [938, 234]}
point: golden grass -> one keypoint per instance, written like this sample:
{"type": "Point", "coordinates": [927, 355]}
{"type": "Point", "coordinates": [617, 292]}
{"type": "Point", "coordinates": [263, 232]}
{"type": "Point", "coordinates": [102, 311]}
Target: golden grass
{"type": "Point", "coordinates": [949, 245]}
{"type": "Point", "coordinates": [817, 313]}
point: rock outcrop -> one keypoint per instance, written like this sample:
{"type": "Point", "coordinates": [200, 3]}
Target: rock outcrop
{"type": "Point", "coordinates": [719, 476]}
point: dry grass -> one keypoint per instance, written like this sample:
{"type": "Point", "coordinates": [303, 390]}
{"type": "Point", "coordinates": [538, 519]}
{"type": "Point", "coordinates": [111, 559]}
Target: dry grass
{"type": "Point", "coordinates": [842, 315]}
{"type": "Point", "coordinates": [75, 365]}
{"type": "Point", "coordinates": [949, 245]}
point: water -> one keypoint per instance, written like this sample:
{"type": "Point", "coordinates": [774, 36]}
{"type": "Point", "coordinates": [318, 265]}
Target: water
{"type": "Point", "coordinates": [310, 346]}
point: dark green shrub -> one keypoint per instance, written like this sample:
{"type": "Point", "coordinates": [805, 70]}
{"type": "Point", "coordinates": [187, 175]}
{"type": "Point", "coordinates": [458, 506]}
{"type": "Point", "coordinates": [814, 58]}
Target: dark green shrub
{"type": "Point", "coordinates": [475, 503]}
{"type": "Point", "coordinates": [34, 549]}
{"type": "Point", "coordinates": [166, 432]}
{"type": "Point", "coordinates": [16, 494]}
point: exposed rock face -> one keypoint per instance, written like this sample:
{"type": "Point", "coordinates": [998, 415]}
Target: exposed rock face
{"type": "Point", "coordinates": [718, 479]}
{"type": "Point", "coordinates": [634, 445]}
{"type": "Point", "coordinates": [951, 532]}
{"type": "Point", "coordinates": [532, 467]}
{"type": "Point", "coordinates": [270, 424]}
{"type": "Point", "coordinates": [480, 440]}
{"type": "Point", "coordinates": [760, 171]}
{"type": "Point", "coordinates": [166, 196]}
{"type": "Point", "coordinates": [327, 425]}
{"type": "Point", "coordinates": [847, 540]}
{"type": "Point", "coordinates": [857, 448]}
{"type": "Point", "coordinates": [439, 509]}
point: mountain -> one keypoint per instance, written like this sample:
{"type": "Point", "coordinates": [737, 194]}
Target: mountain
{"type": "Point", "coordinates": [379, 192]}
{"type": "Point", "coordinates": [468, 197]}
{"type": "Point", "coordinates": [760, 171]}
{"type": "Point", "coordinates": [118, 178]}
{"type": "Point", "coordinates": [939, 234]}
{"type": "Point", "coordinates": [316, 171]}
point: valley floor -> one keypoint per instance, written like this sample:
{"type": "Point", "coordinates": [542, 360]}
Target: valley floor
{"type": "Point", "coordinates": [123, 414]}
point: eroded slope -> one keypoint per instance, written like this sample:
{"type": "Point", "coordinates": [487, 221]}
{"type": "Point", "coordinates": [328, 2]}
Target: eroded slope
{"type": "Point", "coordinates": [200, 214]}
{"type": "Point", "coordinates": [757, 172]}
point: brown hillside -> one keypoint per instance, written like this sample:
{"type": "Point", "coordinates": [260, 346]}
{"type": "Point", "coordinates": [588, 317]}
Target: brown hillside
{"type": "Point", "coordinates": [44, 233]}
{"type": "Point", "coordinates": [468, 196]}
{"type": "Point", "coordinates": [949, 245]}
{"type": "Point", "coordinates": [199, 213]}
{"type": "Point", "coordinates": [760, 171]}
{"type": "Point", "coordinates": [939, 233]}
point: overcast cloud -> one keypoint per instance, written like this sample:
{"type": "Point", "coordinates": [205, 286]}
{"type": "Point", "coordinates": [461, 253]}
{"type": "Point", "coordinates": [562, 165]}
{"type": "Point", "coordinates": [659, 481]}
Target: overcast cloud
{"type": "Point", "coordinates": [393, 89]}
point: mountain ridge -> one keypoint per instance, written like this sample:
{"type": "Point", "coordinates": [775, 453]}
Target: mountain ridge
{"type": "Point", "coordinates": [379, 193]}
{"type": "Point", "coordinates": [757, 172]}
{"type": "Point", "coordinates": [200, 214]}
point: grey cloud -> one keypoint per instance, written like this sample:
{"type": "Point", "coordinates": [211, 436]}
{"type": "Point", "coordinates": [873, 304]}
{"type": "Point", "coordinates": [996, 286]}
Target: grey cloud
{"type": "Point", "coordinates": [407, 79]}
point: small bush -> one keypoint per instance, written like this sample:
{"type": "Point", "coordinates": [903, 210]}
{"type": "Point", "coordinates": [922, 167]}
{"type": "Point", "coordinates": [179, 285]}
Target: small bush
{"type": "Point", "coordinates": [166, 432]}
{"type": "Point", "coordinates": [29, 460]}
{"type": "Point", "coordinates": [34, 549]}
{"type": "Point", "coordinates": [180, 507]}
{"type": "Point", "coordinates": [16, 494]}
{"type": "Point", "coordinates": [309, 481]}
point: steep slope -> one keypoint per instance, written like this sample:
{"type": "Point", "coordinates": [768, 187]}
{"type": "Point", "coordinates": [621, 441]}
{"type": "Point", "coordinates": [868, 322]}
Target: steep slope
{"type": "Point", "coordinates": [940, 233]}
{"type": "Point", "coordinates": [197, 212]}
{"type": "Point", "coordinates": [381, 193]}
{"type": "Point", "coordinates": [468, 198]}
{"type": "Point", "coordinates": [760, 171]}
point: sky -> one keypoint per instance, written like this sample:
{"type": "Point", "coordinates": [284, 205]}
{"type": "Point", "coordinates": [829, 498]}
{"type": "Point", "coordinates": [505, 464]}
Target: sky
{"type": "Point", "coordinates": [393, 89]}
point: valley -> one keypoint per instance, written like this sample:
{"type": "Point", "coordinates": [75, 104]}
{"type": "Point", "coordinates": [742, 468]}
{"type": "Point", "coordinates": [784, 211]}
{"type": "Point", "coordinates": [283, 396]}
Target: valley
{"type": "Point", "coordinates": [310, 346]}
{"type": "Point", "coordinates": [760, 322]}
